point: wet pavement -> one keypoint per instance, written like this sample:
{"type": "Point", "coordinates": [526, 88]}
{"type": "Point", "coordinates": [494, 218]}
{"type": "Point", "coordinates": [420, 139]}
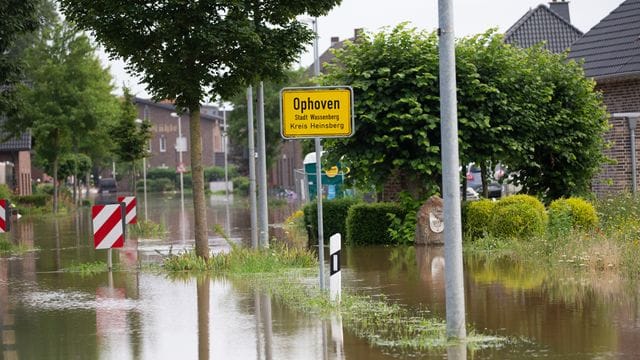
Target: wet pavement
{"type": "Point", "coordinates": [46, 313]}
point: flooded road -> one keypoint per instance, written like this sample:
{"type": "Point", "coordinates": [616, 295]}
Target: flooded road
{"type": "Point", "coordinates": [46, 313]}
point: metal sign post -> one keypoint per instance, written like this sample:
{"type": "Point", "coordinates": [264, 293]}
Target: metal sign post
{"type": "Point", "coordinates": [317, 112]}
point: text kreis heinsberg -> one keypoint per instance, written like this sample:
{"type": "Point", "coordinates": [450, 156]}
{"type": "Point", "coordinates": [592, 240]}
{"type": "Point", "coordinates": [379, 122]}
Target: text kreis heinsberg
{"type": "Point", "coordinates": [308, 104]}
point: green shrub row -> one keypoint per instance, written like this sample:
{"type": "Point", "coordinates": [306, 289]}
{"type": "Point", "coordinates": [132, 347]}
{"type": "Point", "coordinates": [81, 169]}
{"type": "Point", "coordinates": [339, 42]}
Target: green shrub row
{"type": "Point", "coordinates": [368, 224]}
{"type": "Point", "coordinates": [334, 216]}
{"type": "Point", "coordinates": [525, 217]}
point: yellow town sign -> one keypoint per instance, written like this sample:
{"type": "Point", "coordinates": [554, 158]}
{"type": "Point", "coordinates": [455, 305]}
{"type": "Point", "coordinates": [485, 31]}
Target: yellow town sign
{"type": "Point", "coordinates": [316, 112]}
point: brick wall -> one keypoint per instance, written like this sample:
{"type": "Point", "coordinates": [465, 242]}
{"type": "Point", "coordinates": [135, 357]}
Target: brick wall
{"type": "Point", "coordinates": [619, 96]}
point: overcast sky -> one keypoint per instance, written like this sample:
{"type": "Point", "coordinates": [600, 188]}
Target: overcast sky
{"type": "Point", "coordinates": [470, 16]}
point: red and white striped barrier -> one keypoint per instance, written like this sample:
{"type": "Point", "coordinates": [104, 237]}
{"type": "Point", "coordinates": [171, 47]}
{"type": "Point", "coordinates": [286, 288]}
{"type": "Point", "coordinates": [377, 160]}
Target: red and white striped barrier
{"type": "Point", "coordinates": [108, 227]}
{"type": "Point", "coordinates": [130, 204]}
{"type": "Point", "coordinates": [5, 215]}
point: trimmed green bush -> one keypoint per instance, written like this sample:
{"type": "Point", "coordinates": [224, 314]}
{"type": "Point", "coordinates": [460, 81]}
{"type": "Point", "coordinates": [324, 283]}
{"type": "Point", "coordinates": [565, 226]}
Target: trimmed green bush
{"type": "Point", "coordinates": [160, 173]}
{"type": "Point", "coordinates": [160, 185]}
{"type": "Point", "coordinates": [334, 215]}
{"type": "Point", "coordinates": [477, 218]}
{"type": "Point", "coordinates": [241, 185]}
{"type": "Point", "coordinates": [368, 224]}
{"type": "Point", "coordinates": [518, 216]}
{"type": "Point", "coordinates": [572, 213]}
{"type": "Point", "coordinates": [35, 200]}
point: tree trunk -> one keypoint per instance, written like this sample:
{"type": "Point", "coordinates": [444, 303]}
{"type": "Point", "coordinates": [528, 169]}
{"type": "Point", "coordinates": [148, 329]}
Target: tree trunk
{"type": "Point", "coordinates": [197, 174]}
{"type": "Point", "coordinates": [483, 177]}
{"type": "Point", "coordinates": [55, 185]}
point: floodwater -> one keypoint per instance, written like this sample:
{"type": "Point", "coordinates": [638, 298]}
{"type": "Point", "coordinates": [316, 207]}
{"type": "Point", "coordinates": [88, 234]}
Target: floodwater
{"type": "Point", "coordinates": [46, 313]}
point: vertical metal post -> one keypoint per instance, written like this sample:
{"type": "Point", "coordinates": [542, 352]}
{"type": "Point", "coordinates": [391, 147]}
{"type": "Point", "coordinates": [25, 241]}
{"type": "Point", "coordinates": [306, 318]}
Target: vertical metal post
{"type": "Point", "coordinates": [144, 186]}
{"type": "Point", "coordinates": [181, 163]}
{"type": "Point", "coordinates": [318, 144]}
{"type": "Point", "coordinates": [224, 145]}
{"type": "Point", "coordinates": [634, 170]}
{"type": "Point", "coordinates": [109, 259]}
{"type": "Point", "coordinates": [263, 216]}
{"type": "Point", "coordinates": [252, 169]}
{"type": "Point", "coordinates": [454, 280]}
{"type": "Point", "coordinates": [319, 201]}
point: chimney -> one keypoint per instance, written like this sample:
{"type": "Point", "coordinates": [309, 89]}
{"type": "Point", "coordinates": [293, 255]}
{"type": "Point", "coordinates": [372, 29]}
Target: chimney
{"type": "Point", "coordinates": [357, 33]}
{"type": "Point", "coordinates": [334, 40]}
{"type": "Point", "coordinates": [561, 8]}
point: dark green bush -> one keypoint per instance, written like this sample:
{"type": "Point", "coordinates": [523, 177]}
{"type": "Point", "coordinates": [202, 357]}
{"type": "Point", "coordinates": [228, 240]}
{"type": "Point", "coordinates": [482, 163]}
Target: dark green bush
{"type": "Point", "coordinates": [216, 173]}
{"type": "Point", "coordinates": [160, 185]}
{"type": "Point", "coordinates": [368, 224]}
{"type": "Point", "coordinates": [477, 218]}
{"type": "Point", "coordinates": [161, 173]}
{"type": "Point", "coordinates": [334, 215]}
{"type": "Point", "coordinates": [518, 216]}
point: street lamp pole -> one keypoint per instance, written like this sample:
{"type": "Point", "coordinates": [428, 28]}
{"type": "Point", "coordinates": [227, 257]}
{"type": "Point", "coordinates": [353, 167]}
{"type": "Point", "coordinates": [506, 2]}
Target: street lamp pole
{"type": "Point", "coordinates": [179, 145]}
{"type": "Point", "coordinates": [224, 145]}
{"type": "Point", "coordinates": [144, 178]}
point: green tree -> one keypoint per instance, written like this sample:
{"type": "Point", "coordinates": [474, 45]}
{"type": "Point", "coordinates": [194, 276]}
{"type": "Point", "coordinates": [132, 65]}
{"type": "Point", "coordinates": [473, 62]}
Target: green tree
{"type": "Point", "coordinates": [20, 20]}
{"type": "Point", "coordinates": [394, 78]}
{"type": "Point", "coordinates": [69, 96]}
{"type": "Point", "coordinates": [529, 109]}
{"type": "Point", "coordinates": [131, 139]}
{"type": "Point", "coordinates": [187, 50]}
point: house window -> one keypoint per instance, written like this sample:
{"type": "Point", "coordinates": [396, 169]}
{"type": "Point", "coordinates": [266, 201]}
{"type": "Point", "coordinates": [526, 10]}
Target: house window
{"type": "Point", "coordinates": [163, 143]}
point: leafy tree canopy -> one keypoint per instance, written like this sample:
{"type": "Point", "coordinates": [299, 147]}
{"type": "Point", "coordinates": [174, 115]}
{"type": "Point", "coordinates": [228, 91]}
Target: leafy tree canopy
{"type": "Point", "coordinates": [68, 98]}
{"type": "Point", "coordinates": [529, 109]}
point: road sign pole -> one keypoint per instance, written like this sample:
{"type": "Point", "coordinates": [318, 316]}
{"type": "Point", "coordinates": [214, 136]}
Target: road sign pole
{"type": "Point", "coordinates": [319, 201]}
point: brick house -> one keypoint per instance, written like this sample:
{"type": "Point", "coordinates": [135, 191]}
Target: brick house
{"type": "Point", "coordinates": [611, 54]}
{"type": "Point", "coordinates": [550, 25]}
{"type": "Point", "coordinates": [165, 130]}
{"type": "Point", "coordinates": [15, 163]}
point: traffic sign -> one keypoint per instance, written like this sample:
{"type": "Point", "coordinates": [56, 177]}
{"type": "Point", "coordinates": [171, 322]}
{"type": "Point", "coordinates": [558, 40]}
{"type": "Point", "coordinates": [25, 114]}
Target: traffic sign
{"type": "Point", "coordinates": [108, 227]}
{"type": "Point", "coordinates": [322, 112]}
{"type": "Point", "coordinates": [130, 208]}
{"type": "Point", "coordinates": [5, 215]}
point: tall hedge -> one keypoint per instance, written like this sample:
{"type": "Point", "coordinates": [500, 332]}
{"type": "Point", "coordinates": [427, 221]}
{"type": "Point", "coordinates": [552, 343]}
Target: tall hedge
{"type": "Point", "coordinates": [334, 215]}
{"type": "Point", "coordinates": [367, 224]}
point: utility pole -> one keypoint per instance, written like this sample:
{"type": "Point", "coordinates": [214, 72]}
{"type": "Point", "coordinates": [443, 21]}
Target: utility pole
{"type": "Point", "coordinates": [454, 279]}
{"type": "Point", "coordinates": [263, 216]}
{"type": "Point", "coordinates": [252, 169]}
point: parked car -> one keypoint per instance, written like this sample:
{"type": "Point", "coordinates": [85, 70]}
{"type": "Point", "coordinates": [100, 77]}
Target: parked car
{"type": "Point", "coordinates": [474, 181]}
{"type": "Point", "coordinates": [107, 186]}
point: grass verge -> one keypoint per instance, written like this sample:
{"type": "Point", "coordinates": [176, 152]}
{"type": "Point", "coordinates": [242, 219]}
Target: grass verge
{"type": "Point", "coordinates": [87, 269]}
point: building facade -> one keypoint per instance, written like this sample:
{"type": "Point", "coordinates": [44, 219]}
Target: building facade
{"type": "Point", "coordinates": [611, 55]}
{"type": "Point", "coordinates": [165, 146]}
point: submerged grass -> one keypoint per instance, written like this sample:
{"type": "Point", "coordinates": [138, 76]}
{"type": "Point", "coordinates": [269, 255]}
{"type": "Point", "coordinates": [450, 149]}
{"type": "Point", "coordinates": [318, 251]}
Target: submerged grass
{"type": "Point", "coordinates": [7, 247]}
{"type": "Point", "coordinates": [286, 273]}
{"type": "Point", "coordinates": [242, 260]}
{"type": "Point", "coordinates": [148, 229]}
{"type": "Point", "coordinates": [375, 319]}
{"type": "Point", "coordinates": [87, 269]}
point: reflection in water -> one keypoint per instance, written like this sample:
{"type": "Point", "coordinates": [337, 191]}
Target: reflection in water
{"type": "Point", "coordinates": [203, 285]}
{"type": "Point", "coordinates": [142, 315]}
{"type": "Point", "coordinates": [457, 352]}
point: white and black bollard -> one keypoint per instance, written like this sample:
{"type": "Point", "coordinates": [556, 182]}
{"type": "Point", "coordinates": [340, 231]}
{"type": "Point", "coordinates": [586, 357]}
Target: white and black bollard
{"type": "Point", "coordinates": [335, 276]}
